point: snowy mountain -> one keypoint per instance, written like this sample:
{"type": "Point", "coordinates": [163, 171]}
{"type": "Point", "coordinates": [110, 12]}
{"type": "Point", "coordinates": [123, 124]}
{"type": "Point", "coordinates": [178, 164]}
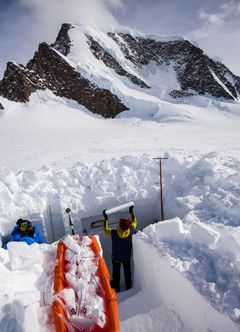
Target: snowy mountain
{"type": "Point", "coordinates": [111, 72]}
{"type": "Point", "coordinates": [162, 97]}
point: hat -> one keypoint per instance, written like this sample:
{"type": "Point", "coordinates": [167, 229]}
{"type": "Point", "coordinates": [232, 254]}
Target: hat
{"type": "Point", "coordinates": [124, 223]}
{"type": "Point", "coordinates": [24, 224]}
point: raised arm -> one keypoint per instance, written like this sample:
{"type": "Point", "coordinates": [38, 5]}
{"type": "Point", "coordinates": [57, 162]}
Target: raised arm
{"type": "Point", "coordinates": [133, 216]}
{"type": "Point", "coordinates": [107, 230]}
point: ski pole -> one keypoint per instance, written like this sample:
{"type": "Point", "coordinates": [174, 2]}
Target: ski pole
{"type": "Point", "coordinates": [68, 210]}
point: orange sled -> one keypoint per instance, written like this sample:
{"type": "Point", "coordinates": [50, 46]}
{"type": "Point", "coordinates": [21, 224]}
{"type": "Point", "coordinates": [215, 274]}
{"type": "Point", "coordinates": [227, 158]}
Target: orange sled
{"type": "Point", "coordinates": [105, 291]}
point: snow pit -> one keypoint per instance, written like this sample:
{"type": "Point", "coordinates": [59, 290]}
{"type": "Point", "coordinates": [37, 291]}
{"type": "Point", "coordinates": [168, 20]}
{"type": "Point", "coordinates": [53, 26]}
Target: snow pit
{"type": "Point", "coordinates": [202, 244]}
{"type": "Point", "coordinates": [129, 178]}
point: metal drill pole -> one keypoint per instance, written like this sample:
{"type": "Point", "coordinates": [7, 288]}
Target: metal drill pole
{"type": "Point", "coordinates": [51, 222]}
{"type": "Point", "coordinates": [161, 185]}
{"type": "Point", "coordinates": [161, 191]}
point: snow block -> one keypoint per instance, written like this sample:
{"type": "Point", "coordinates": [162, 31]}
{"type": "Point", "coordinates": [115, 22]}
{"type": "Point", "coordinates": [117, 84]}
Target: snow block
{"type": "Point", "coordinates": [172, 229]}
{"type": "Point", "coordinates": [203, 234]}
{"type": "Point", "coordinates": [25, 307]}
{"type": "Point", "coordinates": [230, 245]}
{"type": "Point", "coordinates": [22, 256]}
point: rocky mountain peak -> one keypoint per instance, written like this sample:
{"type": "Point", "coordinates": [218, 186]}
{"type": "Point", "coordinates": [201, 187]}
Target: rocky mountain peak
{"type": "Point", "coordinates": [63, 41]}
{"type": "Point", "coordinates": [48, 70]}
{"type": "Point", "coordinates": [117, 63]}
{"type": "Point", "coordinates": [193, 67]}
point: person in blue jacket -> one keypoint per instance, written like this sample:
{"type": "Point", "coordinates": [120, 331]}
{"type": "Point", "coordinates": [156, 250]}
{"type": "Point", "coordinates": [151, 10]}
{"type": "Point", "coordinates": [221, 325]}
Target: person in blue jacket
{"type": "Point", "coordinates": [24, 231]}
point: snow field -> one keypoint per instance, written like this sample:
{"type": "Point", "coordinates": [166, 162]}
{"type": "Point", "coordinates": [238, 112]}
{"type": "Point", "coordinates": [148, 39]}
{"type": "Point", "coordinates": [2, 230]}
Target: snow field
{"type": "Point", "coordinates": [64, 132]}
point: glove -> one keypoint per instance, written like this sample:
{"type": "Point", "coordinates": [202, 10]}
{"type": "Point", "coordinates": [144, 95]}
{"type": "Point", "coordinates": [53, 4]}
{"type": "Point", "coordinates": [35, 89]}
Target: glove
{"type": "Point", "coordinates": [104, 214]}
{"type": "Point", "coordinates": [131, 209]}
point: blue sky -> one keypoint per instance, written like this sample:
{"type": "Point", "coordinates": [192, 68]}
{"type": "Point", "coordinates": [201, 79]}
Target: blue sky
{"type": "Point", "coordinates": [213, 24]}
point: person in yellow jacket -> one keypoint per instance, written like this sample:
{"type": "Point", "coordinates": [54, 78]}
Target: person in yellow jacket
{"type": "Point", "coordinates": [121, 248]}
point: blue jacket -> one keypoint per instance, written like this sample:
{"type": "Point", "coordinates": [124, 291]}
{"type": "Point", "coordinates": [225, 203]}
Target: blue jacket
{"type": "Point", "coordinates": [16, 236]}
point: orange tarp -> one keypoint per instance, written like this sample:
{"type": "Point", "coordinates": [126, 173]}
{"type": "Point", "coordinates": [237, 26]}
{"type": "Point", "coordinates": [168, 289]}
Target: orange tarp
{"type": "Point", "coordinates": [109, 296]}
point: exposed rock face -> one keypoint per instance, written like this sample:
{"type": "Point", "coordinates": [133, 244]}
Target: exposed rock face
{"type": "Point", "coordinates": [1, 107]}
{"type": "Point", "coordinates": [196, 72]}
{"type": "Point", "coordinates": [49, 70]}
{"type": "Point", "coordinates": [18, 83]}
{"type": "Point", "coordinates": [192, 66]}
{"type": "Point", "coordinates": [180, 94]}
{"type": "Point", "coordinates": [64, 81]}
{"type": "Point", "coordinates": [101, 54]}
{"type": "Point", "coordinates": [63, 42]}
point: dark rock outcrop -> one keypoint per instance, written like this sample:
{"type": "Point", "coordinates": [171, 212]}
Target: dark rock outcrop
{"type": "Point", "coordinates": [1, 107]}
{"type": "Point", "coordinates": [180, 94]}
{"type": "Point", "coordinates": [49, 70]}
{"type": "Point", "coordinates": [18, 83]}
{"type": "Point", "coordinates": [63, 42]}
{"type": "Point", "coordinates": [194, 69]}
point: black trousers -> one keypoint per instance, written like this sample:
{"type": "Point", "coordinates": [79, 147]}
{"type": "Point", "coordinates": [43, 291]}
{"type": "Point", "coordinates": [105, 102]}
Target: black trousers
{"type": "Point", "coordinates": [116, 265]}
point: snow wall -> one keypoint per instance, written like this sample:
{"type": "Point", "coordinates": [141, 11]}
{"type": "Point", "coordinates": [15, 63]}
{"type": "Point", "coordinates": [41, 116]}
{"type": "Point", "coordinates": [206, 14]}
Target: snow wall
{"type": "Point", "coordinates": [168, 300]}
{"type": "Point", "coordinates": [201, 188]}
{"type": "Point", "coordinates": [86, 188]}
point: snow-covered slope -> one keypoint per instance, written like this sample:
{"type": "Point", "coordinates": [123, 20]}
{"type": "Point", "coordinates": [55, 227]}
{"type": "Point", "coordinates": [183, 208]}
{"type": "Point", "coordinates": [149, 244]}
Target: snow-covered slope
{"type": "Point", "coordinates": [52, 130]}
{"type": "Point", "coordinates": [125, 61]}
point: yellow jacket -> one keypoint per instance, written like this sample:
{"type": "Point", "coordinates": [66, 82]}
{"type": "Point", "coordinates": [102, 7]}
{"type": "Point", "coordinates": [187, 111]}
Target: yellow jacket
{"type": "Point", "coordinates": [123, 234]}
